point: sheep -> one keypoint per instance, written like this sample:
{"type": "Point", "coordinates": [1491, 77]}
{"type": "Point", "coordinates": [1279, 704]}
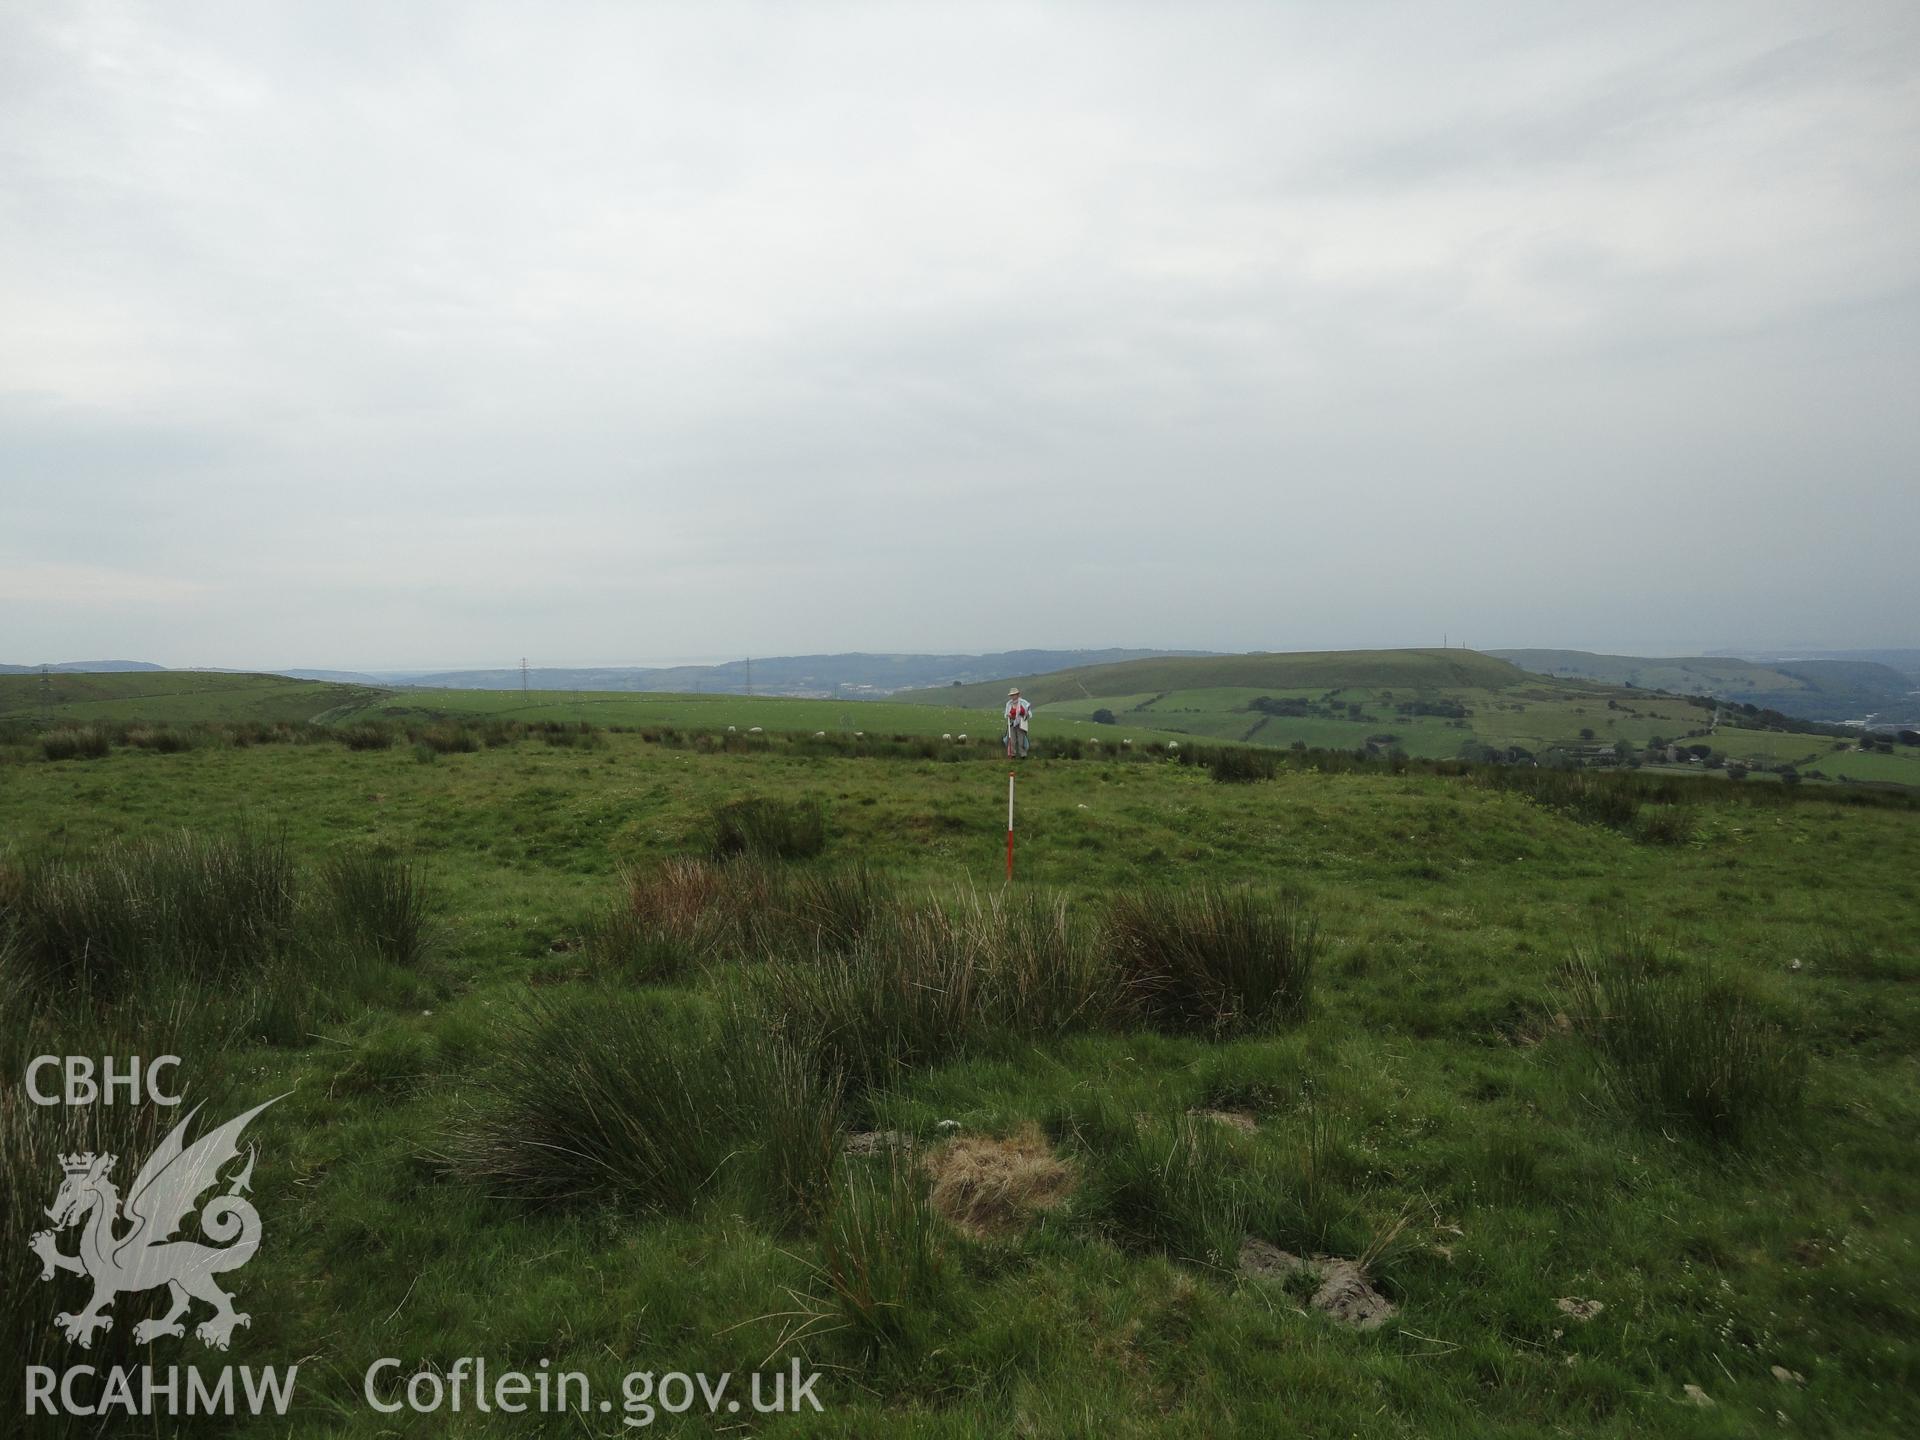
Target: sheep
{"type": "Point", "coordinates": [753, 730]}
{"type": "Point", "coordinates": [946, 737]}
{"type": "Point", "coordinates": [961, 737]}
{"type": "Point", "coordinates": [729, 729]}
{"type": "Point", "coordinates": [819, 734]}
{"type": "Point", "coordinates": [859, 734]}
{"type": "Point", "coordinates": [1173, 744]}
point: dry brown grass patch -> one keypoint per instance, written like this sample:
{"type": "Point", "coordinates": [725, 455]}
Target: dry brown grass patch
{"type": "Point", "coordinates": [697, 903]}
{"type": "Point", "coordinates": [986, 1186]}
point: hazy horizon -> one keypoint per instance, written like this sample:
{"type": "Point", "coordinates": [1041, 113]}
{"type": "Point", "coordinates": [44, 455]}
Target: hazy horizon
{"type": "Point", "coordinates": [357, 337]}
{"type": "Point", "coordinates": [654, 663]}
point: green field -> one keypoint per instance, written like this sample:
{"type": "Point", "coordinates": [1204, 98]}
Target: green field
{"type": "Point", "coordinates": [1829, 690]}
{"type": "Point", "coordinates": [1505, 708]}
{"type": "Point", "coordinates": [1217, 698]}
{"type": "Point", "coordinates": [1700, 675]}
{"type": "Point", "coordinates": [176, 696]}
{"type": "Point", "coordinates": [1408, 670]}
{"type": "Point", "coordinates": [1902, 767]}
{"type": "Point", "coordinates": [1431, 1109]}
{"type": "Point", "coordinates": [187, 697]}
{"type": "Point", "coordinates": [709, 712]}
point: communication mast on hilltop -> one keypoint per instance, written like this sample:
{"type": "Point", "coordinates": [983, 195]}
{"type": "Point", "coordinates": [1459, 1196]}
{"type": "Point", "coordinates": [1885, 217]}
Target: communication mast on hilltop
{"type": "Point", "coordinates": [46, 695]}
{"type": "Point", "coordinates": [748, 663]}
{"type": "Point", "coordinates": [523, 674]}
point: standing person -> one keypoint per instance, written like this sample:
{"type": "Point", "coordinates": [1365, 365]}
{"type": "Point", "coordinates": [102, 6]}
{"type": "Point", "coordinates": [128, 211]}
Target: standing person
{"type": "Point", "coordinates": [1018, 713]}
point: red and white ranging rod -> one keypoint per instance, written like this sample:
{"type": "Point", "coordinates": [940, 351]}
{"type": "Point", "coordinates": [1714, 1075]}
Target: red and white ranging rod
{"type": "Point", "coordinates": [1009, 824]}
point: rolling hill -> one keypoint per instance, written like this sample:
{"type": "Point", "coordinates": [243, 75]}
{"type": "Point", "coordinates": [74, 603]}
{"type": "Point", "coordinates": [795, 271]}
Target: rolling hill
{"type": "Point", "coordinates": [850, 675]}
{"type": "Point", "coordinates": [1308, 670]}
{"type": "Point", "coordinates": [101, 667]}
{"type": "Point", "coordinates": [1432, 704]}
{"type": "Point", "coordinates": [183, 697]}
{"type": "Point", "coordinates": [1425, 703]}
{"type": "Point", "coordinates": [174, 696]}
{"type": "Point", "coordinates": [1824, 690]}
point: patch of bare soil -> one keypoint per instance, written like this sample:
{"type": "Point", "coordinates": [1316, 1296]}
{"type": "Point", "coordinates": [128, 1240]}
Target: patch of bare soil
{"type": "Point", "coordinates": [1343, 1293]}
{"type": "Point", "coordinates": [990, 1186]}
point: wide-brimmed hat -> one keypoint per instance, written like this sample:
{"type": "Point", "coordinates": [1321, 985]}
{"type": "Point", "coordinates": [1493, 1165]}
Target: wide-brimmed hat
{"type": "Point", "coordinates": [1014, 691]}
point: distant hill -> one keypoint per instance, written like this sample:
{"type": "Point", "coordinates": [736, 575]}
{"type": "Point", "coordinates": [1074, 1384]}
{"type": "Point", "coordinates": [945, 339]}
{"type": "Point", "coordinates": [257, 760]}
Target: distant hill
{"type": "Point", "coordinates": [175, 695]}
{"type": "Point", "coordinates": [1907, 662]}
{"type": "Point", "coordinates": [1319, 669]}
{"type": "Point", "coordinates": [1434, 704]}
{"type": "Point", "coordinates": [338, 677]}
{"type": "Point", "coordinates": [1827, 690]}
{"type": "Point", "coordinates": [1430, 703]}
{"type": "Point", "coordinates": [853, 675]}
{"type": "Point", "coordinates": [90, 667]}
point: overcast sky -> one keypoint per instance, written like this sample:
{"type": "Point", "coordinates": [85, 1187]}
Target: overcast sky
{"type": "Point", "coordinates": [398, 334]}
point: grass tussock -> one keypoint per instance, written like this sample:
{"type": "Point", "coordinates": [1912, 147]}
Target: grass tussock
{"type": "Point", "coordinates": [80, 742]}
{"type": "Point", "coordinates": [382, 902]}
{"type": "Point", "coordinates": [618, 940]}
{"type": "Point", "coordinates": [1184, 1184]}
{"type": "Point", "coordinates": [822, 910]}
{"type": "Point", "coordinates": [1682, 1044]}
{"type": "Point", "coordinates": [367, 736]}
{"type": "Point", "coordinates": [931, 982]}
{"type": "Point", "coordinates": [767, 829]}
{"type": "Point", "coordinates": [450, 739]}
{"type": "Point", "coordinates": [162, 740]}
{"type": "Point", "coordinates": [203, 906]}
{"type": "Point", "coordinates": [1666, 824]}
{"type": "Point", "coordinates": [673, 917]}
{"type": "Point", "coordinates": [577, 736]}
{"type": "Point", "coordinates": [1241, 764]}
{"type": "Point", "coordinates": [881, 1269]}
{"type": "Point", "coordinates": [789, 1114]}
{"type": "Point", "coordinates": [697, 903]}
{"type": "Point", "coordinates": [872, 984]}
{"type": "Point", "coordinates": [218, 926]}
{"type": "Point", "coordinates": [988, 1186]}
{"type": "Point", "coordinates": [1192, 1187]}
{"type": "Point", "coordinates": [609, 1096]}
{"type": "Point", "coordinates": [1210, 960]}
{"type": "Point", "coordinates": [625, 1098]}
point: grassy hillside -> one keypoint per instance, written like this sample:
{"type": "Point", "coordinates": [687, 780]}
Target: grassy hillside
{"type": "Point", "coordinates": [186, 697]}
{"type": "Point", "coordinates": [843, 675]}
{"type": "Point", "coordinates": [176, 695]}
{"type": "Point", "coordinates": [1698, 675]}
{"type": "Point", "coordinates": [1535, 716]}
{"type": "Point", "coordinates": [1828, 690]}
{"type": "Point", "coordinates": [1385, 669]}
{"type": "Point", "coordinates": [1437, 1107]}
{"type": "Point", "coordinates": [1432, 704]}
{"type": "Point", "coordinates": [709, 712]}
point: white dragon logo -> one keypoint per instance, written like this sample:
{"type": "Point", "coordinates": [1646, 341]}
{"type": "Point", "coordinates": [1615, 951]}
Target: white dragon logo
{"type": "Point", "coordinates": [145, 1255]}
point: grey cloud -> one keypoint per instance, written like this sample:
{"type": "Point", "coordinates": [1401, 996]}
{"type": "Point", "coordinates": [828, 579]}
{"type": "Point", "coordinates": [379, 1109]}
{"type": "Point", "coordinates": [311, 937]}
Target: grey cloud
{"type": "Point", "coordinates": [368, 335]}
